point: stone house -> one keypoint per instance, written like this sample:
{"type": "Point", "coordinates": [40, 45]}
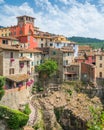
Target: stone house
{"type": "Point", "coordinates": [35, 57]}
{"type": "Point", "coordinates": [88, 72]}
{"type": "Point", "coordinates": [9, 67]}
{"type": "Point", "coordinates": [100, 68]}
{"type": "Point", "coordinates": [90, 57]}
{"type": "Point", "coordinates": [72, 71]}
{"type": "Point", "coordinates": [83, 48]}
{"type": "Point", "coordinates": [43, 39]}
{"type": "Point", "coordinates": [64, 57]}
{"type": "Point", "coordinates": [9, 41]}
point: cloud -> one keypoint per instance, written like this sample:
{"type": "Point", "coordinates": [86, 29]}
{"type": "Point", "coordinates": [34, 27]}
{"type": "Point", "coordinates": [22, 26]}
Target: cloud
{"type": "Point", "coordinates": [9, 13]}
{"type": "Point", "coordinates": [1, 1]}
{"type": "Point", "coordinates": [71, 19]}
{"type": "Point", "coordinates": [80, 19]}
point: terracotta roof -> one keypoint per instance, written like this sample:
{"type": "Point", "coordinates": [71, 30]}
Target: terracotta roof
{"type": "Point", "coordinates": [64, 50]}
{"type": "Point", "coordinates": [90, 53]}
{"type": "Point", "coordinates": [42, 36]}
{"type": "Point", "coordinates": [80, 57]}
{"type": "Point", "coordinates": [99, 54]}
{"type": "Point", "coordinates": [18, 77]}
{"type": "Point", "coordinates": [31, 50]}
{"type": "Point", "coordinates": [69, 73]}
{"type": "Point", "coordinates": [84, 48]}
{"type": "Point", "coordinates": [74, 64]}
{"type": "Point", "coordinates": [91, 65]}
{"type": "Point", "coordinates": [24, 59]}
{"type": "Point", "coordinates": [8, 47]}
{"type": "Point", "coordinates": [9, 38]}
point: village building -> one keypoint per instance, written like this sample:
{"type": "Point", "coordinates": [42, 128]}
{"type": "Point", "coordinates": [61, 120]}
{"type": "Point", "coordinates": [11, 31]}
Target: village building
{"type": "Point", "coordinates": [88, 72]}
{"type": "Point", "coordinates": [90, 57]}
{"type": "Point", "coordinates": [84, 48]}
{"type": "Point", "coordinates": [64, 57]}
{"type": "Point", "coordinates": [5, 32]}
{"type": "Point", "coordinates": [10, 68]}
{"type": "Point", "coordinates": [9, 41]}
{"type": "Point", "coordinates": [35, 58]}
{"type": "Point", "coordinates": [72, 71]}
{"type": "Point", "coordinates": [100, 68]}
{"type": "Point", "coordinates": [24, 31]}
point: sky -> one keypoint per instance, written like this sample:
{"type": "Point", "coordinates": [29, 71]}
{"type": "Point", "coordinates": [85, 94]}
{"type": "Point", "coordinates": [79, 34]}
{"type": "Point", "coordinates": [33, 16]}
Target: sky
{"type": "Point", "coordinates": [65, 17]}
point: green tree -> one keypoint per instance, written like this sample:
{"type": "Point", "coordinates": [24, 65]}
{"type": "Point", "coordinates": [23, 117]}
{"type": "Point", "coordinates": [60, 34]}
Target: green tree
{"type": "Point", "coordinates": [47, 69]}
{"type": "Point", "coordinates": [97, 121]}
{"type": "Point", "coordinates": [2, 82]}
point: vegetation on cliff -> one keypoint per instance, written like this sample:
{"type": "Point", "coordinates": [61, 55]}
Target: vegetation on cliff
{"type": "Point", "coordinates": [46, 70]}
{"type": "Point", "coordinates": [97, 121]}
{"type": "Point", "coordinates": [14, 118]}
{"type": "Point", "coordinates": [2, 82]}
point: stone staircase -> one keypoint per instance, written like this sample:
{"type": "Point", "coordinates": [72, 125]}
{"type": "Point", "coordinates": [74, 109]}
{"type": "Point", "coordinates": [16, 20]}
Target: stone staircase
{"type": "Point", "coordinates": [33, 114]}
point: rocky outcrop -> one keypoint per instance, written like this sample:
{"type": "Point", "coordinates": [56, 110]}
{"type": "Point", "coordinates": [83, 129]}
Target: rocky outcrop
{"type": "Point", "coordinates": [76, 109]}
{"type": "Point", "coordinates": [15, 99]}
{"type": "Point", "coordinates": [3, 125]}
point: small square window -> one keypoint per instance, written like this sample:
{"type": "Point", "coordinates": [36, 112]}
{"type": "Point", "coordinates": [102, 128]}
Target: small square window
{"type": "Point", "coordinates": [100, 65]}
{"type": "Point", "coordinates": [100, 57]}
{"type": "Point", "coordinates": [54, 52]}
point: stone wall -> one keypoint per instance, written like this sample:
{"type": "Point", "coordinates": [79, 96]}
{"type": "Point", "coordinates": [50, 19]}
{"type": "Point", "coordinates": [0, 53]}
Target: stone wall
{"type": "Point", "coordinates": [15, 99]}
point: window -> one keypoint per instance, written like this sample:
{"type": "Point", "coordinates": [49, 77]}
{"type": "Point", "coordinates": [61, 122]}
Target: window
{"type": "Point", "coordinates": [5, 41]}
{"type": "Point", "coordinates": [54, 52]}
{"type": "Point", "coordinates": [11, 54]}
{"type": "Point", "coordinates": [32, 63]}
{"type": "Point", "coordinates": [68, 54]}
{"type": "Point", "coordinates": [41, 39]}
{"type": "Point", "coordinates": [20, 31]}
{"type": "Point", "coordinates": [21, 54]}
{"type": "Point", "coordinates": [100, 74]}
{"type": "Point", "coordinates": [100, 57]}
{"type": "Point", "coordinates": [30, 55]}
{"type": "Point", "coordinates": [100, 65]}
{"type": "Point", "coordinates": [42, 45]}
{"type": "Point", "coordinates": [51, 44]}
{"type": "Point", "coordinates": [14, 33]}
{"type": "Point", "coordinates": [50, 40]}
{"type": "Point", "coordinates": [40, 61]}
{"type": "Point", "coordinates": [66, 62]}
{"type": "Point", "coordinates": [93, 58]}
{"type": "Point", "coordinates": [57, 44]}
{"type": "Point", "coordinates": [11, 71]}
{"type": "Point", "coordinates": [72, 68]}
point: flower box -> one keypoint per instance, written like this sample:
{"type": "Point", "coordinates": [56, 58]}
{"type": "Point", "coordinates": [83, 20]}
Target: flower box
{"type": "Point", "coordinates": [12, 59]}
{"type": "Point", "coordinates": [21, 65]}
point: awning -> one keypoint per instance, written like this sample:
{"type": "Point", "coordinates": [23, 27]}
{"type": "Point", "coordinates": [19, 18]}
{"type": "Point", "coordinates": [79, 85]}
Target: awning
{"type": "Point", "coordinates": [18, 77]}
{"type": "Point", "coordinates": [70, 73]}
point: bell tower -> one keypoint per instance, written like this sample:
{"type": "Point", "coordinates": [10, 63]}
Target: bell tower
{"type": "Point", "coordinates": [25, 19]}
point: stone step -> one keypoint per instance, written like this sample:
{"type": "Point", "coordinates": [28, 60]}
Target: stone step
{"type": "Point", "coordinates": [28, 128]}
